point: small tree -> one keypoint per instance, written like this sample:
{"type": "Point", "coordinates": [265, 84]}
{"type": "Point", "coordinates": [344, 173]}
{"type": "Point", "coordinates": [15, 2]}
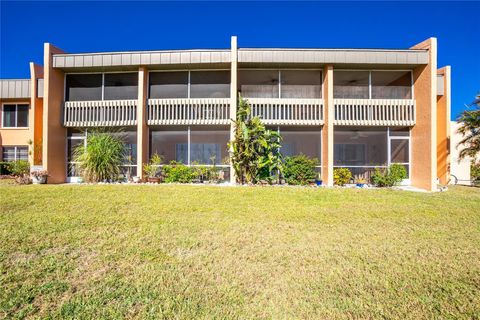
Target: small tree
{"type": "Point", "coordinates": [255, 149]}
{"type": "Point", "coordinates": [470, 130]}
{"type": "Point", "coordinates": [101, 158]}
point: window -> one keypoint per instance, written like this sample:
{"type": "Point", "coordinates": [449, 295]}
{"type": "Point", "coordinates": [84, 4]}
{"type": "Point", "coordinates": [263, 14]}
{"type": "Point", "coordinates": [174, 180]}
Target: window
{"type": "Point", "coordinates": [95, 87]}
{"type": "Point", "coordinates": [209, 84]}
{"type": "Point", "coordinates": [358, 147]}
{"type": "Point", "coordinates": [363, 150]}
{"type": "Point", "coordinates": [351, 84]}
{"type": "Point", "coordinates": [83, 87]}
{"type": "Point", "coordinates": [391, 85]}
{"type": "Point", "coordinates": [171, 143]}
{"type": "Point", "coordinates": [297, 141]}
{"type": "Point", "coordinates": [208, 146]}
{"type": "Point", "coordinates": [121, 86]}
{"type": "Point", "coordinates": [259, 83]}
{"type": "Point", "coordinates": [14, 153]}
{"type": "Point", "coordinates": [303, 84]}
{"type": "Point", "coordinates": [15, 115]}
{"type": "Point", "coordinates": [372, 85]}
{"type": "Point", "coordinates": [191, 145]}
{"type": "Point", "coordinates": [168, 85]}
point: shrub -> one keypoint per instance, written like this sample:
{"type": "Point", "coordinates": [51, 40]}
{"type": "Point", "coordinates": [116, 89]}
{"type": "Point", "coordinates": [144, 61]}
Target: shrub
{"type": "Point", "coordinates": [389, 177]}
{"type": "Point", "coordinates": [341, 176]}
{"type": "Point", "coordinates": [300, 169]}
{"type": "Point", "coordinates": [102, 157]}
{"type": "Point", "coordinates": [207, 173]}
{"type": "Point", "coordinates": [152, 168]}
{"type": "Point", "coordinates": [178, 172]}
{"type": "Point", "coordinates": [4, 168]}
{"type": "Point", "coordinates": [19, 168]}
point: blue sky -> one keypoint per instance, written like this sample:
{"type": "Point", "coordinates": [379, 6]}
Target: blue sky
{"type": "Point", "coordinates": [116, 26]}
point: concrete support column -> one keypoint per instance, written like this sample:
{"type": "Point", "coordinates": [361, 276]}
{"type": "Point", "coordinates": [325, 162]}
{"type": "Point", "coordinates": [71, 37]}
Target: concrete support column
{"type": "Point", "coordinates": [54, 157]}
{"type": "Point", "coordinates": [142, 128]}
{"type": "Point", "coordinates": [327, 131]}
{"type": "Point", "coordinates": [233, 97]}
{"type": "Point", "coordinates": [424, 133]}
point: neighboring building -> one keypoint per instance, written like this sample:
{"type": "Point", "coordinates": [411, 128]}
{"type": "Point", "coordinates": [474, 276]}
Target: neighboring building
{"type": "Point", "coordinates": [459, 169]}
{"type": "Point", "coordinates": [356, 108]}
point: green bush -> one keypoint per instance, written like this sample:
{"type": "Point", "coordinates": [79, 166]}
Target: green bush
{"type": "Point", "coordinates": [341, 176]}
{"type": "Point", "coordinates": [178, 172]}
{"type": "Point", "coordinates": [19, 168]}
{"type": "Point", "coordinates": [102, 157]}
{"type": "Point", "coordinates": [300, 169]}
{"type": "Point", "coordinates": [4, 168]}
{"type": "Point", "coordinates": [389, 177]}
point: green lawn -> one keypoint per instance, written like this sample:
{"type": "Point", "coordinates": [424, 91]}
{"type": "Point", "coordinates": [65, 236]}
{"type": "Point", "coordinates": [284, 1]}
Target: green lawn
{"type": "Point", "coordinates": [189, 252]}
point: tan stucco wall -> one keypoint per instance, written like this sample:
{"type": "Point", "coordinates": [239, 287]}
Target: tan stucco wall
{"type": "Point", "coordinates": [424, 134]}
{"type": "Point", "coordinates": [36, 72]}
{"type": "Point", "coordinates": [54, 134]}
{"type": "Point", "coordinates": [14, 136]}
{"type": "Point", "coordinates": [443, 129]}
{"type": "Point", "coordinates": [327, 131]}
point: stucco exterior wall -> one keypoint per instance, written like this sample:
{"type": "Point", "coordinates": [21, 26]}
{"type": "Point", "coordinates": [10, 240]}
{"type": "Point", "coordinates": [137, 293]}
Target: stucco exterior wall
{"type": "Point", "coordinates": [424, 133]}
{"type": "Point", "coordinates": [54, 134]}
{"type": "Point", "coordinates": [443, 128]}
{"type": "Point", "coordinates": [15, 136]}
{"type": "Point", "coordinates": [458, 168]}
{"type": "Point", "coordinates": [36, 120]}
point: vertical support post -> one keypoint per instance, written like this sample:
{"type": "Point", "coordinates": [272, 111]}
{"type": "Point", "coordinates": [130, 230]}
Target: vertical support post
{"type": "Point", "coordinates": [233, 98]}
{"type": "Point", "coordinates": [54, 158]}
{"type": "Point", "coordinates": [142, 128]}
{"type": "Point", "coordinates": [327, 132]}
{"type": "Point", "coordinates": [424, 133]}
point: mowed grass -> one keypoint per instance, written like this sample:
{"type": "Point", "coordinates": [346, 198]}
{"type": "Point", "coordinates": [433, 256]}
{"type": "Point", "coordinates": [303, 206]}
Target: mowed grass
{"type": "Point", "coordinates": [190, 252]}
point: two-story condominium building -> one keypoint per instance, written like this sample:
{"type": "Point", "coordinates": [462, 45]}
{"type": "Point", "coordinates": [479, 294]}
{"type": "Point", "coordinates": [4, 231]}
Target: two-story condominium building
{"type": "Point", "coordinates": [356, 108]}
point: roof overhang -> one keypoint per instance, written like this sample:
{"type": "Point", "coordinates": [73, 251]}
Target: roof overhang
{"type": "Point", "coordinates": [15, 89]}
{"type": "Point", "coordinates": [179, 59]}
{"type": "Point", "coordinates": [345, 57]}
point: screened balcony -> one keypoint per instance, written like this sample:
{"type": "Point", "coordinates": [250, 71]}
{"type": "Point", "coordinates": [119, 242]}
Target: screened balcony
{"type": "Point", "coordinates": [189, 97]}
{"type": "Point", "coordinates": [283, 97]}
{"type": "Point", "coordinates": [99, 99]}
{"type": "Point", "coordinates": [373, 98]}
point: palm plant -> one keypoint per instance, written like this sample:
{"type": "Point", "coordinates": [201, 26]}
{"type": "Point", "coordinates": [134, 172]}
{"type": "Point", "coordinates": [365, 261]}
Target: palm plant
{"type": "Point", "coordinates": [101, 158]}
{"type": "Point", "coordinates": [255, 149]}
{"type": "Point", "coordinates": [470, 130]}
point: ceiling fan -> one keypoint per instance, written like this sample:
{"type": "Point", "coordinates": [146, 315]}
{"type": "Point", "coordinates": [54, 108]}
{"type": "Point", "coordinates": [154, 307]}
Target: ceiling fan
{"type": "Point", "coordinates": [358, 134]}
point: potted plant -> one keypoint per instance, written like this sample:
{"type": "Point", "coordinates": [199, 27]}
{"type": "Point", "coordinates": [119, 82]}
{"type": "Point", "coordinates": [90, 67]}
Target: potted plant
{"type": "Point", "coordinates": [136, 179]}
{"type": "Point", "coordinates": [39, 176]}
{"type": "Point", "coordinates": [319, 181]}
{"type": "Point", "coordinates": [152, 168]}
{"type": "Point", "coordinates": [361, 182]}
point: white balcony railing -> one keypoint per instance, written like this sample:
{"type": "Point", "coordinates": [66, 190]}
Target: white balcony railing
{"type": "Point", "coordinates": [100, 113]}
{"type": "Point", "coordinates": [374, 112]}
{"type": "Point", "coordinates": [188, 111]}
{"type": "Point", "coordinates": [288, 111]}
